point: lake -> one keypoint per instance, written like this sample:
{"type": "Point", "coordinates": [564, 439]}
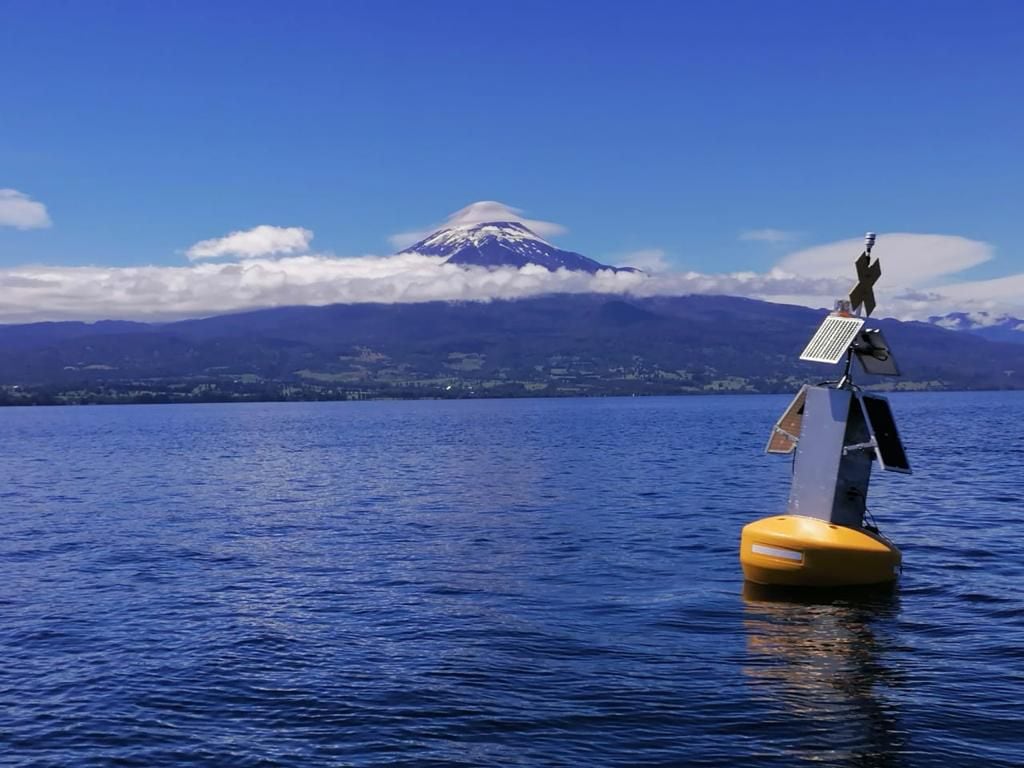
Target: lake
{"type": "Point", "coordinates": [505, 582]}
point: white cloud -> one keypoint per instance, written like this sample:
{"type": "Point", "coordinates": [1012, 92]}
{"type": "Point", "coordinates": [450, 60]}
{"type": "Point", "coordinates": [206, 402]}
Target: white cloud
{"type": "Point", "coordinates": [917, 270]}
{"type": "Point", "coordinates": [982, 319]}
{"type": "Point", "coordinates": [31, 293]}
{"type": "Point", "coordinates": [651, 260]}
{"type": "Point", "coordinates": [998, 296]}
{"type": "Point", "coordinates": [769, 235]}
{"type": "Point", "coordinates": [478, 213]}
{"type": "Point", "coordinates": [263, 240]}
{"type": "Point", "coordinates": [950, 323]}
{"type": "Point", "coordinates": [908, 260]}
{"type": "Point", "coordinates": [20, 211]}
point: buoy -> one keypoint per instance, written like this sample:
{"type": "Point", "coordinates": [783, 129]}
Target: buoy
{"type": "Point", "coordinates": [796, 551]}
{"type": "Point", "coordinates": [835, 432]}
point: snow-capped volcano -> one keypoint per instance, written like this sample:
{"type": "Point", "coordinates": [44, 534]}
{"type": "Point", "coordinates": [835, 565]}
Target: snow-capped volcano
{"type": "Point", "coordinates": [502, 244]}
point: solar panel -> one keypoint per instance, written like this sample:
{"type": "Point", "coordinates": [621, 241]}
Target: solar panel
{"type": "Point", "coordinates": [874, 354]}
{"type": "Point", "coordinates": [889, 447]}
{"type": "Point", "coordinates": [786, 432]}
{"type": "Point", "coordinates": [832, 339]}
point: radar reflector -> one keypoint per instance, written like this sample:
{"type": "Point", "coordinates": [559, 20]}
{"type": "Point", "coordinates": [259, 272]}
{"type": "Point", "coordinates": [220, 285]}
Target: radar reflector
{"type": "Point", "coordinates": [888, 446]}
{"type": "Point", "coordinates": [868, 273]}
{"type": "Point", "coordinates": [786, 432]}
{"type": "Point", "coordinates": [832, 339]}
{"type": "Point", "coordinates": [874, 354]}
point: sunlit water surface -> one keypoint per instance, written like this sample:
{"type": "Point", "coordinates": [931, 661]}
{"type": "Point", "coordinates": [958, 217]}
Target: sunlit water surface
{"type": "Point", "coordinates": [541, 582]}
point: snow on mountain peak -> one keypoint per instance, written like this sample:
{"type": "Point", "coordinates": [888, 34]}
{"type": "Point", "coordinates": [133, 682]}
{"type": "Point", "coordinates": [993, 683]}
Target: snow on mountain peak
{"type": "Point", "coordinates": [501, 244]}
{"type": "Point", "coordinates": [475, 234]}
{"type": "Point", "coordinates": [491, 234]}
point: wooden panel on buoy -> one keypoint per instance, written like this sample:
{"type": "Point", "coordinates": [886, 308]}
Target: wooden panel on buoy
{"type": "Point", "coordinates": [786, 432]}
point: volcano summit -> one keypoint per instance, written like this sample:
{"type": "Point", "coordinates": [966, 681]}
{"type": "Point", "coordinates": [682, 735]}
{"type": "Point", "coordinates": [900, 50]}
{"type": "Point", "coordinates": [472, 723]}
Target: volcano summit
{"type": "Point", "coordinates": [503, 244]}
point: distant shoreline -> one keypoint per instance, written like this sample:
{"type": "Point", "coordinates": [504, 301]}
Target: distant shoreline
{"type": "Point", "coordinates": [80, 399]}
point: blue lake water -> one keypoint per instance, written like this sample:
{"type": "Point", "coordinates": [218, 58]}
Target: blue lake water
{"type": "Point", "coordinates": [531, 582]}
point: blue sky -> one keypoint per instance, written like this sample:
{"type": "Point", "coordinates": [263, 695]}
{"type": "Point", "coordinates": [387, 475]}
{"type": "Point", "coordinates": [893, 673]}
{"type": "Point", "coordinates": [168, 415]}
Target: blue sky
{"type": "Point", "coordinates": [144, 127]}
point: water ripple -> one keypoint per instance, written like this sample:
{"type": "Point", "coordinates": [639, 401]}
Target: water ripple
{"type": "Point", "coordinates": [490, 583]}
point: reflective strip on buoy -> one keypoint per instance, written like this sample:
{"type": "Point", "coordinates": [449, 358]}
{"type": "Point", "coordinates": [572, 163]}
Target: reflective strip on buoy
{"type": "Point", "coordinates": [787, 554]}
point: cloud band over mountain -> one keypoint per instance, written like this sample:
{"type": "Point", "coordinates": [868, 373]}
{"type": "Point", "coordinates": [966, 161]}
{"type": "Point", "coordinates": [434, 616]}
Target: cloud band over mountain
{"type": "Point", "coordinates": [269, 266]}
{"type": "Point", "coordinates": [148, 293]}
{"type": "Point", "coordinates": [33, 293]}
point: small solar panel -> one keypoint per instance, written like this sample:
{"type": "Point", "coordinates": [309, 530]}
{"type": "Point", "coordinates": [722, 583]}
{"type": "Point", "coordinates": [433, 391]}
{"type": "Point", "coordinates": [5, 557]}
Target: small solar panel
{"type": "Point", "coordinates": [874, 354]}
{"type": "Point", "coordinates": [786, 432]}
{"type": "Point", "coordinates": [889, 447]}
{"type": "Point", "coordinates": [832, 339]}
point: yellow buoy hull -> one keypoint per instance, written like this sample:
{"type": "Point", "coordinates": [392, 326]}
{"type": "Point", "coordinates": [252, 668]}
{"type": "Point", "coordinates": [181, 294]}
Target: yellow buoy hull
{"type": "Point", "coordinates": [789, 550]}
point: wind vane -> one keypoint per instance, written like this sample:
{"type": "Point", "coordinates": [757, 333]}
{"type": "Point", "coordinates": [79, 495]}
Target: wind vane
{"type": "Point", "coordinates": [835, 431]}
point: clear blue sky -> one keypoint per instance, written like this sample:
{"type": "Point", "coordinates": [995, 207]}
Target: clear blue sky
{"type": "Point", "coordinates": [146, 126]}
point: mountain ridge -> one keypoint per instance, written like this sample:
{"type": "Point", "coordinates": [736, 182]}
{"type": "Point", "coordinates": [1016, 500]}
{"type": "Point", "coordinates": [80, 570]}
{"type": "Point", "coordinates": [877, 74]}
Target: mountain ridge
{"type": "Point", "coordinates": [572, 344]}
